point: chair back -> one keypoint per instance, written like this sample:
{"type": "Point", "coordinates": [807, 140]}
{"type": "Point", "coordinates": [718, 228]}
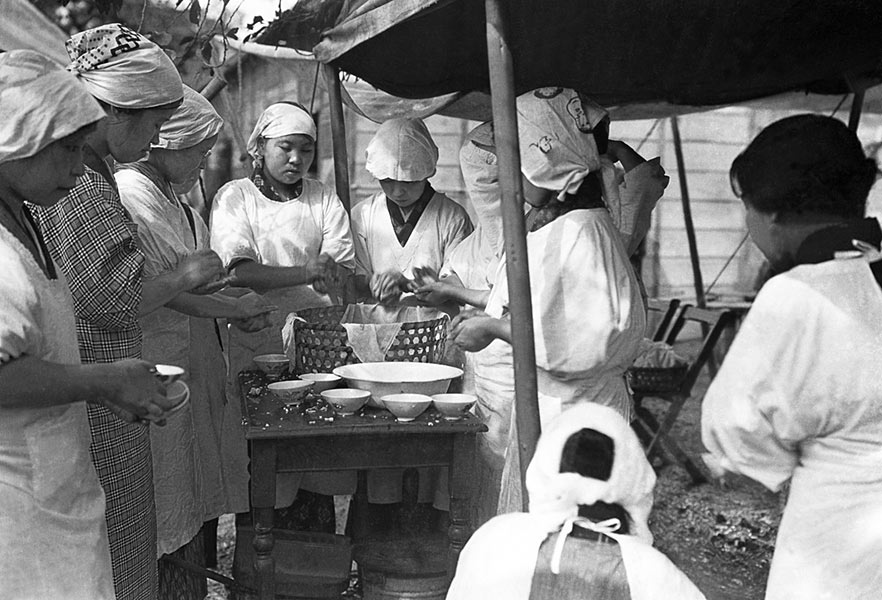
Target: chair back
{"type": "Point", "coordinates": [712, 323]}
{"type": "Point", "coordinates": [664, 311]}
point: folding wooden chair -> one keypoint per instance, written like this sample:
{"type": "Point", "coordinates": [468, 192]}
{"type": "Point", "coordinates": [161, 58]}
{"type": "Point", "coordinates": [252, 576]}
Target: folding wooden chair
{"type": "Point", "coordinates": [655, 433]}
{"type": "Point", "coordinates": [662, 312]}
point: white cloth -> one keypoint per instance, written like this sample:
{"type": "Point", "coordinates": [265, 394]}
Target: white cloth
{"type": "Point", "coordinates": [193, 479]}
{"type": "Point", "coordinates": [247, 225]}
{"type": "Point", "coordinates": [53, 536]}
{"type": "Point", "coordinates": [798, 398]}
{"type": "Point", "coordinates": [631, 199]}
{"type": "Point", "coordinates": [194, 121]}
{"type": "Point", "coordinates": [279, 120]}
{"type": "Point", "coordinates": [513, 540]}
{"type": "Point", "coordinates": [40, 103]}
{"type": "Point", "coordinates": [588, 321]}
{"type": "Point", "coordinates": [123, 68]}
{"type": "Point", "coordinates": [555, 135]}
{"type": "Point", "coordinates": [402, 150]}
{"type": "Point", "coordinates": [442, 226]}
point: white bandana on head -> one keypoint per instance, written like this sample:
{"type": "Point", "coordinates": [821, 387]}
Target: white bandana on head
{"type": "Point", "coordinates": [123, 68]}
{"type": "Point", "coordinates": [192, 123]}
{"type": "Point", "coordinates": [279, 120]}
{"type": "Point", "coordinates": [555, 134]}
{"type": "Point", "coordinates": [40, 103]}
{"type": "Point", "coordinates": [402, 150]}
{"type": "Point", "coordinates": [480, 172]}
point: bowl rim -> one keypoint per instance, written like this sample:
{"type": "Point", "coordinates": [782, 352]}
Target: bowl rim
{"type": "Point", "coordinates": [300, 384]}
{"type": "Point", "coordinates": [272, 357]}
{"type": "Point", "coordinates": [420, 398]}
{"type": "Point", "coordinates": [452, 372]}
{"type": "Point", "coordinates": [469, 399]}
{"type": "Point", "coordinates": [337, 393]}
{"type": "Point", "coordinates": [170, 370]}
{"type": "Point", "coordinates": [316, 377]}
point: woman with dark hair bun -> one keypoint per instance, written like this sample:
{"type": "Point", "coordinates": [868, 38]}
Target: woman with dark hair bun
{"type": "Point", "coordinates": [799, 397]}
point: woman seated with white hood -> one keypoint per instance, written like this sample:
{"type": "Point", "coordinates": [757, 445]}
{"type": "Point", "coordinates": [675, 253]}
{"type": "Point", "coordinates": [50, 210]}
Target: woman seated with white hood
{"type": "Point", "coordinates": [586, 534]}
{"type": "Point", "coordinates": [408, 225]}
{"type": "Point", "coordinates": [588, 316]}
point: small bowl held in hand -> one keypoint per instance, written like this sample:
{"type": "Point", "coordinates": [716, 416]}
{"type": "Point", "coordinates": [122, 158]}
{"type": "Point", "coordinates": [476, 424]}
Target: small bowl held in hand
{"type": "Point", "coordinates": [168, 373]}
{"type": "Point", "coordinates": [272, 364]}
{"type": "Point", "coordinates": [322, 381]}
{"type": "Point", "coordinates": [179, 393]}
{"type": "Point", "coordinates": [406, 407]}
{"type": "Point", "coordinates": [453, 406]}
{"type": "Point", "coordinates": [290, 392]}
{"type": "Point", "coordinates": [346, 401]}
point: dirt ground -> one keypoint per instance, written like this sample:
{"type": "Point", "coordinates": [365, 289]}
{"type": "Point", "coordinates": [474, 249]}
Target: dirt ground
{"type": "Point", "coordinates": [720, 534]}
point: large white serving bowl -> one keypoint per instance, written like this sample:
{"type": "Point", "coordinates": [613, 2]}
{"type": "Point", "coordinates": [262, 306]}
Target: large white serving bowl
{"type": "Point", "coordinates": [386, 378]}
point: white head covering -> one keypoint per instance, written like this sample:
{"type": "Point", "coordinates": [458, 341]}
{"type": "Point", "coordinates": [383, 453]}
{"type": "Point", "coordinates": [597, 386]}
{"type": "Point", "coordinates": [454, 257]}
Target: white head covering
{"type": "Point", "coordinates": [40, 103]}
{"type": "Point", "coordinates": [557, 146]}
{"type": "Point", "coordinates": [192, 123]}
{"type": "Point", "coordinates": [402, 150]}
{"type": "Point", "coordinates": [480, 172]}
{"type": "Point", "coordinates": [123, 68]}
{"type": "Point", "coordinates": [558, 495]}
{"type": "Point", "coordinates": [279, 120]}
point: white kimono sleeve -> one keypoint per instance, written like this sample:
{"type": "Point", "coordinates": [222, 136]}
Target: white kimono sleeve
{"type": "Point", "coordinates": [231, 234]}
{"type": "Point", "coordinates": [336, 235]}
{"type": "Point", "coordinates": [160, 243]}
{"type": "Point", "coordinates": [18, 306]}
{"type": "Point", "coordinates": [361, 214]}
{"type": "Point", "coordinates": [761, 406]}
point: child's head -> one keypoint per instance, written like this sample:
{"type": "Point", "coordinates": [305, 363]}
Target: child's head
{"type": "Point", "coordinates": [402, 156]}
{"type": "Point", "coordinates": [283, 142]}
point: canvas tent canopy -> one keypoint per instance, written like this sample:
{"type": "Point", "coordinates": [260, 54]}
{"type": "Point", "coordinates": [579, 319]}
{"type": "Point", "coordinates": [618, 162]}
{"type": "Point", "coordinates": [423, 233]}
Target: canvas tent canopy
{"type": "Point", "coordinates": [658, 58]}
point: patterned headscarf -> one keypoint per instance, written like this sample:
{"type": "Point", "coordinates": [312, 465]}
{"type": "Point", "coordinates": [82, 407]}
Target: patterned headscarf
{"type": "Point", "coordinates": [555, 128]}
{"type": "Point", "coordinates": [403, 150]}
{"type": "Point", "coordinates": [40, 103]}
{"type": "Point", "coordinates": [192, 123]}
{"type": "Point", "coordinates": [123, 68]}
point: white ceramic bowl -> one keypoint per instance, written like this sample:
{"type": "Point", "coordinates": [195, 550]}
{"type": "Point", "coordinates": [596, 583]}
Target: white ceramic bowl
{"type": "Point", "coordinates": [321, 381]}
{"type": "Point", "coordinates": [272, 364]}
{"type": "Point", "coordinates": [385, 378]}
{"type": "Point", "coordinates": [406, 407]}
{"type": "Point", "coordinates": [346, 401]}
{"type": "Point", "coordinates": [168, 373]}
{"type": "Point", "coordinates": [454, 406]}
{"type": "Point", "coordinates": [179, 393]}
{"type": "Point", "coordinates": [290, 392]}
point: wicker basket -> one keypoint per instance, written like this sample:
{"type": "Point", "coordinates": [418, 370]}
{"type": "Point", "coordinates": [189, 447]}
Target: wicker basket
{"type": "Point", "coordinates": [322, 344]}
{"type": "Point", "coordinates": [656, 379]}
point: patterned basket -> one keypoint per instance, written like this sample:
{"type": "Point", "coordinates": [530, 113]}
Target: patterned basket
{"type": "Point", "coordinates": [656, 379]}
{"type": "Point", "coordinates": [322, 344]}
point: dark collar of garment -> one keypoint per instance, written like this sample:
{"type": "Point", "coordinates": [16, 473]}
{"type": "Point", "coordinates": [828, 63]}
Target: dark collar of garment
{"type": "Point", "coordinates": [403, 228]}
{"type": "Point", "coordinates": [260, 182]}
{"type": "Point", "coordinates": [588, 195]}
{"type": "Point", "coordinates": [822, 244]}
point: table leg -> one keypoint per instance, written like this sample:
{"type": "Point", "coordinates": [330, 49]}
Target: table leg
{"type": "Point", "coordinates": [461, 475]}
{"type": "Point", "coordinates": [263, 499]}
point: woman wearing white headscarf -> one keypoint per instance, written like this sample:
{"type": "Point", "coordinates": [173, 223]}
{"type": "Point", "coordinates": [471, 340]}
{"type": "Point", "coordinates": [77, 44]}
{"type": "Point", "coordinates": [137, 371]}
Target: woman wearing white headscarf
{"type": "Point", "coordinates": [287, 237]}
{"type": "Point", "coordinates": [192, 481]}
{"type": "Point", "coordinates": [93, 239]}
{"type": "Point", "coordinates": [53, 535]}
{"type": "Point", "coordinates": [408, 224]}
{"type": "Point", "coordinates": [586, 533]}
{"type": "Point", "coordinates": [588, 316]}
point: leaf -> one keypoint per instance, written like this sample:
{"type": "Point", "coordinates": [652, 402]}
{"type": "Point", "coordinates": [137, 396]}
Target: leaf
{"type": "Point", "coordinates": [206, 51]}
{"type": "Point", "coordinates": [232, 33]}
{"type": "Point", "coordinates": [195, 12]}
{"type": "Point", "coordinates": [255, 21]}
{"type": "Point", "coordinates": [187, 39]}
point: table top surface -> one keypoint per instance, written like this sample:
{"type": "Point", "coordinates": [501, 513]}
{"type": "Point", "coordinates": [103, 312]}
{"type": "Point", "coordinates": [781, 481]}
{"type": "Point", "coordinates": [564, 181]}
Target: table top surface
{"type": "Point", "coordinates": [267, 417]}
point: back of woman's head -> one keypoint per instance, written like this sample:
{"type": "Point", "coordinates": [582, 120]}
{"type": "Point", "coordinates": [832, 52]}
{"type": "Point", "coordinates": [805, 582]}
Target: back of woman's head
{"type": "Point", "coordinates": [805, 164]}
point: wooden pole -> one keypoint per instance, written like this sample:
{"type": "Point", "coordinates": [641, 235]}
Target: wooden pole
{"type": "Point", "coordinates": [687, 217]}
{"type": "Point", "coordinates": [506, 138]}
{"type": "Point", "coordinates": [213, 87]}
{"type": "Point", "coordinates": [338, 134]}
{"type": "Point", "coordinates": [857, 103]}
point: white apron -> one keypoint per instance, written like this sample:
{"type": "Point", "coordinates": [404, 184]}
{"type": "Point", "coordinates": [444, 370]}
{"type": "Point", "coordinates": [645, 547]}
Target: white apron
{"type": "Point", "coordinates": [53, 535]}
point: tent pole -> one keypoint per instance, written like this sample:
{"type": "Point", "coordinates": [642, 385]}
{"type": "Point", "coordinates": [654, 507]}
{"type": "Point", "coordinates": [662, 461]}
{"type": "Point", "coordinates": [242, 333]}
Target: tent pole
{"type": "Point", "coordinates": [338, 134]}
{"type": "Point", "coordinates": [213, 87]}
{"type": "Point", "coordinates": [857, 103]}
{"type": "Point", "coordinates": [687, 216]}
{"type": "Point", "coordinates": [506, 138]}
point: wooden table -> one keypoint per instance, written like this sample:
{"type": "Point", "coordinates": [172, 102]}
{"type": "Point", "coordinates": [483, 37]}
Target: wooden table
{"type": "Point", "coordinates": [312, 438]}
